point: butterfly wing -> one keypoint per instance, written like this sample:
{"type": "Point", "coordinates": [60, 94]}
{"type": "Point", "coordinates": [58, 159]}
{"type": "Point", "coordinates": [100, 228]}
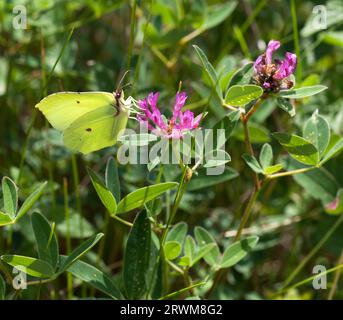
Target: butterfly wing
{"type": "Point", "coordinates": [63, 108]}
{"type": "Point", "coordinates": [95, 130]}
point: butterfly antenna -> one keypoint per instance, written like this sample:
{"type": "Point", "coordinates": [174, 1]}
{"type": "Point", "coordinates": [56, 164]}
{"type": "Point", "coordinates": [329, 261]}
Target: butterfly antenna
{"type": "Point", "coordinates": [119, 86]}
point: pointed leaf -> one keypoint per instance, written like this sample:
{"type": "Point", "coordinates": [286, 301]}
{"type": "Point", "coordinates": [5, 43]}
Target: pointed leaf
{"type": "Point", "coordinates": [201, 252]}
{"type": "Point", "coordinates": [94, 277]}
{"type": "Point", "coordinates": [189, 249]}
{"type": "Point", "coordinates": [243, 75]}
{"type": "Point", "coordinates": [266, 156]}
{"type": "Point", "coordinates": [317, 131]}
{"type": "Point", "coordinates": [285, 105]}
{"type": "Point", "coordinates": [299, 148]}
{"type": "Point", "coordinates": [252, 163]}
{"type": "Point", "coordinates": [105, 195]}
{"type": "Point", "coordinates": [140, 196]}
{"type": "Point", "coordinates": [237, 251]}
{"type": "Point", "coordinates": [10, 195]}
{"type": "Point", "coordinates": [5, 219]}
{"type": "Point", "coordinates": [112, 178]}
{"type": "Point", "coordinates": [46, 241]}
{"type": "Point", "coordinates": [210, 71]}
{"type": "Point", "coordinates": [302, 92]}
{"type": "Point", "coordinates": [203, 237]}
{"type": "Point", "coordinates": [272, 169]}
{"type": "Point", "coordinates": [31, 266]}
{"type": "Point", "coordinates": [30, 200]}
{"type": "Point", "coordinates": [136, 258]}
{"type": "Point", "coordinates": [80, 251]}
{"type": "Point", "coordinates": [334, 148]}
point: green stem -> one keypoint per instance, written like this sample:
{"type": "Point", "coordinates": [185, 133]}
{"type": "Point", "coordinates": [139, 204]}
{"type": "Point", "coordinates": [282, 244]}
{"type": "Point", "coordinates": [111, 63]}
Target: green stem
{"type": "Point", "coordinates": [296, 39]}
{"type": "Point", "coordinates": [289, 173]}
{"type": "Point", "coordinates": [68, 239]}
{"type": "Point", "coordinates": [129, 224]}
{"type": "Point", "coordinates": [132, 33]}
{"type": "Point", "coordinates": [76, 181]}
{"type": "Point", "coordinates": [246, 214]}
{"type": "Point", "coordinates": [176, 293]}
{"type": "Point", "coordinates": [179, 194]}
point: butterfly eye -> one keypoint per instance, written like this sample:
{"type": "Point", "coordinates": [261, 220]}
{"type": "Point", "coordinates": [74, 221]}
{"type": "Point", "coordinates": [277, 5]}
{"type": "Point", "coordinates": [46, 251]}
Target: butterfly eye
{"type": "Point", "coordinates": [118, 94]}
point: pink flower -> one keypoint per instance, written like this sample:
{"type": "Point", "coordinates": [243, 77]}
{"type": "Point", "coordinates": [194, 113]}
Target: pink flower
{"type": "Point", "coordinates": [174, 128]}
{"type": "Point", "coordinates": [273, 75]}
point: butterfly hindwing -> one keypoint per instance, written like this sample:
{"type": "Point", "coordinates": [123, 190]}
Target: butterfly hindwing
{"type": "Point", "coordinates": [95, 130]}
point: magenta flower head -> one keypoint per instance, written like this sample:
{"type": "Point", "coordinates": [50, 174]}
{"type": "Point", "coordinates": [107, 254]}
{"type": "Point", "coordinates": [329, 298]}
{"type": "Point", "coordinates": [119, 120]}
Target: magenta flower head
{"type": "Point", "coordinates": [274, 75]}
{"type": "Point", "coordinates": [177, 126]}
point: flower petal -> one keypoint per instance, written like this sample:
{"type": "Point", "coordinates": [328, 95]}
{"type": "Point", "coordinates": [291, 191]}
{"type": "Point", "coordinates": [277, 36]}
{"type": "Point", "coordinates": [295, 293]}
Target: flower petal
{"type": "Point", "coordinates": [286, 67]}
{"type": "Point", "coordinates": [273, 45]}
{"type": "Point", "coordinates": [180, 101]}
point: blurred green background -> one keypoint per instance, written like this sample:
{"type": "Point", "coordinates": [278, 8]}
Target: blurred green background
{"type": "Point", "coordinates": [87, 45]}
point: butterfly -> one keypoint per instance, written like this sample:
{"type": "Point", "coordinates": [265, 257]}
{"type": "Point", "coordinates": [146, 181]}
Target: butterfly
{"type": "Point", "coordinates": [89, 121]}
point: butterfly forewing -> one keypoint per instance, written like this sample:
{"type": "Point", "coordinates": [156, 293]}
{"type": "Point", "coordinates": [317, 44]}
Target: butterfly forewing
{"type": "Point", "coordinates": [63, 108]}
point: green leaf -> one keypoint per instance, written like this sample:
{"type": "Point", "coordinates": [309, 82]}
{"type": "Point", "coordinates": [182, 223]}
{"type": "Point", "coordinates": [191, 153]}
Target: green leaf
{"type": "Point", "coordinates": [80, 251]}
{"type": "Point", "coordinates": [272, 169]}
{"type": "Point", "coordinates": [302, 92]}
{"type": "Point", "coordinates": [76, 226]}
{"type": "Point", "coordinates": [252, 163]}
{"type": "Point", "coordinates": [30, 200]}
{"type": "Point", "coordinates": [228, 124]}
{"type": "Point", "coordinates": [177, 233]}
{"type": "Point", "coordinates": [105, 195]}
{"type": "Point", "coordinates": [201, 252]}
{"type": "Point", "coordinates": [5, 219]}
{"type": "Point", "coordinates": [46, 241]}
{"type": "Point", "coordinates": [334, 148]}
{"type": "Point", "coordinates": [172, 250]}
{"type": "Point", "coordinates": [299, 148]}
{"type": "Point", "coordinates": [112, 178]}
{"type": "Point", "coordinates": [189, 249]}
{"type": "Point", "coordinates": [140, 196]}
{"type": "Point", "coordinates": [237, 251]}
{"type": "Point", "coordinates": [142, 139]}
{"type": "Point", "coordinates": [319, 183]}
{"type": "Point", "coordinates": [285, 105]}
{"type": "Point", "coordinates": [243, 75]}
{"type": "Point", "coordinates": [136, 258]}
{"type": "Point", "coordinates": [333, 37]}
{"type": "Point", "coordinates": [31, 266]}
{"type": "Point", "coordinates": [10, 195]}
{"type": "Point", "coordinates": [258, 133]}
{"type": "Point", "coordinates": [216, 158]}
{"type": "Point", "coordinates": [317, 131]}
{"type": "Point", "coordinates": [210, 71]}
{"type": "Point", "coordinates": [203, 237]}
{"type": "Point", "coordinates": [184, 261]}
{"type": "Point", "coordinates": [216, 14]}
{"type": "Point", "coordinates": [2, 288]}
{"type": "Point", "coordinates": [238, 95]}
{"type": "Point", "coordinates": [266, 156]}
{"type": "Point", "coordinates": [205, 181]}
{"type": "Point", "coordinates": [94, 277]}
